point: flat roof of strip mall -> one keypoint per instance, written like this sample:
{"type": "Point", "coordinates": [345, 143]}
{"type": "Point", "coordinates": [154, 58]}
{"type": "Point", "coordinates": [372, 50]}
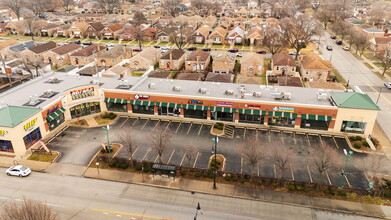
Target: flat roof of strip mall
{"type": "Point", "coordinates": [20, 95]}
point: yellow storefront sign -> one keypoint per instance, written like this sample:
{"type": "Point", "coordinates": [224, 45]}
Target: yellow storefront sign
{"type": "Point", "coordinates": [30, 124]}
{"type": "Point", "coordinates": [2, 133]}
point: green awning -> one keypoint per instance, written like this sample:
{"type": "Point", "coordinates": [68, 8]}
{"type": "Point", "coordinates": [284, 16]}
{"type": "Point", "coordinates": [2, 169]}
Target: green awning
{"type": "Point", "coordinates": [251, 111]}
{"type": "Point", "coordinates": [216, 109]}
{"type": "Point", "coordinates": [229, 110]}
{"type": "Point", "coordinates": [147, 103]}
{"type": "Point", "coordinates": [189, 106]}
{"type": "Point", "coordinates": [55, 114]}
{"type": "Point", "coordinates": [162, 104]}
{"type": "Point", "coordinates": [201, 107]}
{"type": "Point", "coordinates": [114, 100]}
{"type": "Point", "coordinates": [289, 115]}
{"type": "Point", "coordinates": [316, 117]}
{"type": "Point", "coordinates": [273, 113]}
{"type": "Point", "coordinates": [173, 105]}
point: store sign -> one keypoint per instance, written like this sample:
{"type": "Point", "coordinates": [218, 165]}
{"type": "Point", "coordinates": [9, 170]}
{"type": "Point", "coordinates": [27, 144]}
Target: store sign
{"type": "Point", "coordinates": [254, 106]}
{"type": "Point", "coordinates": [197, 102]}
{"type": "Point", "coordinates": [224, 104]}
{"type": "Point", "coordinates": [82, 93]}
{"type": "Point", "coordinates": [283, 109]}
{"type": "Point", "coordinates": [141, 96]}
{"type": "Point", "coordinates": [55, 108]}
{"type": "Point", "coordinates": [3, 133]}
{"type": "Point", "coordinates": [30, 125]}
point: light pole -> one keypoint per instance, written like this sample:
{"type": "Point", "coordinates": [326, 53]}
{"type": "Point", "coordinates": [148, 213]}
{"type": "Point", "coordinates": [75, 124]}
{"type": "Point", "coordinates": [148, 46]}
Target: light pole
{"type": "Point", "coordinates": [107, 128]}
{"type": "Point", "coordinates": [343, 173]}
{"type": "Point", "coordinates": [215, 140]}
{"type": "Point", "coordinates": [198, 208]}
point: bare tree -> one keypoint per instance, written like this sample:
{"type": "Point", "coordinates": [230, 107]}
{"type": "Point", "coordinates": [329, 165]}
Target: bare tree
{"type": "Point", "coordinates": [109, 5]}
{"type": "Point", "coordinates": [180, 36]}
{"type": "Point", "coordinates": [273, 39]}
{"type": "Point", "coordinates": [39, 6]}
{"type": "Point", "coordinates": [138, 35]}
{"type": "Point", "coordinates": [26, 210]}
{"type": "Point", "coordinates": [190, 154]}
{"type": "Point", "coordinates": [170, 7]}
{"type": "Point", "coordinates": [32, 25]}
{"type": "Point", "coordinates": [373, 164]}
{"type": "Point", "coordinates": [322, 159]}
{"type": "Point", "coordinates": [281, 158]}
{"type": "Point", "coordinates": [139, 18]}
{"type": "Point", "coordinates": [316, 4]}
{"type": "Point", "coordinates": [15, 6]}
{"type": "Point", "coordinates": [253, 152]}
{"type": "Point", "coordinates": [127, 140]}
{"type": "Point", "coordinates": [67, 4]}
{"type": "Point", "coordinates": [160, 140]}
{"type": "Point", "coordinates": [342, 29]}
{"type": "Point", "coordinates": [324, 16]}
{"type": "Point", "coordinates": [361, 41]}
{"type": "Point", "coordinates": [299, 30]}
{"type": "Point", "coordinates": [385, 59]}
{"type": "Point", "coordinates": [378, 15]}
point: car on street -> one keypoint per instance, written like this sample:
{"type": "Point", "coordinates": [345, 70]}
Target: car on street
{"type": "Point", "coordinates": [333, 37]}
{"type": "Point", "coordinates": [338, 42]}
{"type": "Point", "coordinates": [18, 170]}
{"type": "Point", "coordinates": [156, 46]}
{"type": "Point", "coordinates": [239, 54]}
{"type": "Point", "coordinates": [233, 50]}
{"type": "Point", "coordinates": [293, 53]}
{"type": "Point", "coordinates": [87, 43]}
{"type": "Point", "coordinates": [110, 45]}
{"type": "Point", "coordinates": [388, 85]}
{"type": "Point", "coordinates": [164, 49]}
{"type": "Point", "coordinates": [62, 44]}
{"type": "Point", "coordinates": [329, 48]}
{"type": "Point", "coordinates": [206, 49]}
{"type": "Point", "coordinates": [136, 49]}
{"type": "Point", "coordinates": [192, 48]}
{"type": "Point", "coordinates": [345, 48]}
{"type": "Point", "coordinates": [261, 52]}
{"type": "Point", "coordinates": [76, 41]}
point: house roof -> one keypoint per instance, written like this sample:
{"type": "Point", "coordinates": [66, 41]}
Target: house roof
{"type": "Point", "coordinates": [44, 47]}
{"type": "Point", "coordinates": [202, 55]}
{"type": "Point", "coordinates": [373, 30]}
{"type": "Point", "coordinates": [382, 40]}
{"type": "Point", "coordinates": [189, 76]}
{"type": "Point", "coordinates": [176, 54]}
{"type": "Point", "coordinates": [353, 100]}
{"type": "Point", "coordinates": [204, 31]}
{"type": "Point", "coordinates": [249, 80]}
{"type": "Point", "coordinates": [224, 56]}
{"type": "Point", "coordinates": [218, 77]}
{"type": "Point", "coordinates": [11, 116]}
{"type": "Point", "coordinates": [115, 27]}
{"type": "Point", "coordinates": [8, 43]}
{"type": "Point", "coordinates": [88, 51]}
{"type": "Point", "coordinates": [90, 71]}
{"type": "Point", "coordinates": [289, 81]}
{"type": "Point", "coordinates": [150, 53]}
{"type": "Point", "coordinates": [281, 59]}
{"type": "Point", "coordinates": [252, 57]}
{"type": "Point", "coordinates": [50, 26]}
{"type": "Point", "coordinates": [160, 74]}
{"type": "Point", "coordinates": [66, 48]}
{"type": "Point", "coordinates": [314, 62]}
{"type": "Point", "coordinates": [114, 52]}
{"type": "Point", "coordinates": [221, 31]}
{"type": "Point", "coordinates": [22, 46]}
{"type": "Point", "coordinates": [97, 26]}
{"type": "Point", "coordinates": [238, 31]}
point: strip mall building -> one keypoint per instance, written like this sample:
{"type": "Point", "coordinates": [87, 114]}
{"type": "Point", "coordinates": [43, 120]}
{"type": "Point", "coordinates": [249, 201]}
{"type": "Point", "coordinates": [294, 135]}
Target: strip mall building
{"type": "Point", "coordinates": [35, 109]}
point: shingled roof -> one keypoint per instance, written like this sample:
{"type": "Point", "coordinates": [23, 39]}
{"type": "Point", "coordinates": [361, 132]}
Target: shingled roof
{"type": "Point", "coordinates": [66, 48]}
{"type": "Point", "coordinates": [314, 62]}
{"type": "Point", "coordinates": [88, 51]}
{"type": "Point", "coordinates": [176, 54]}
{"type": "Point", "coordinates": [44, 47]}
{"type": "Point", "coordinates": [97, 26]}
{"type": "Point", "coordinates": [202, 56]}
{"type": "Point", "coordinates": [281, 59]}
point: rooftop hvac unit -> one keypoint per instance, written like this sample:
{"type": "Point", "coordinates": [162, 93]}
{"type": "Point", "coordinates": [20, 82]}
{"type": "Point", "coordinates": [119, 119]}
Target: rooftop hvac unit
{"type": "Point", "coordinates": [124, 82]}
{"type": "Point", "coordinates": [202, 90]}
{"type": "Point", "coordinates": [176, 88]}
{"type": "Point", "coordinates": [96, 82]}
{"type": "Point", "coordinates": [287, 95]}
{"type": "Point", "coordinates": [257, 94]}
{"type": "Point", "coordinates": [229, 92]}
{"type": "Point", "coordinates": [322, 96]}
{"type": "Point", "coordinates": [53, 80]}
{"type": "Point", "coordinates": [48, 93]}
{"type": "Point", "coordinates": [33, 100]}
{"type": "Point", "coordinates": [151, 85]}
{"type": "Point", "coordinates": [277, 95]}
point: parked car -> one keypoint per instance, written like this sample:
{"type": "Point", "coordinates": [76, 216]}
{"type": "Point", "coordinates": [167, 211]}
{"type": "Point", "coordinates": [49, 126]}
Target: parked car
{"type": "Point", "coordinates": [206, 49]}
{"type": "Point", "coordinates": [333, 37]}
{"type": "Point", "coordinates": [156, 46]}
{"type": "Point", "coordinates": [239, 54]}
{"type": "Point", "coordinates": [62, 44]}
{"type": "Point", "coordinates": [164, 49]}
{"type": "Point", "coordinates": [329, 48]}
{"type": "Point", "coordinates": [136, 49]}
{"type": "Point", "coordinates": [261, 52]}
{"type": "Point", "coordinates": [110, 45]}
{"type": "Point", "coordinates": [18, 170]}
{"type": "Point", "coordinates": [388, 85]}
{"type": "Point", "coordinates": [345, 48]}
{"type": "Point", "coordinates": [87, 43]}
{"type": "Point", "coordinates": [233, 50]}
{"type": "Point", "coordinates": [76, 41]}
{"type": "Point", "coordinates": [338, 42]}
{"type": "Point", "coordinates": [293, 53]}
{"type": "Point", "coordinates": [192, 48]}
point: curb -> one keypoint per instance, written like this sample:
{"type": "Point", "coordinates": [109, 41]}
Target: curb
{"type": "Point", "coordinates": [246, 198]}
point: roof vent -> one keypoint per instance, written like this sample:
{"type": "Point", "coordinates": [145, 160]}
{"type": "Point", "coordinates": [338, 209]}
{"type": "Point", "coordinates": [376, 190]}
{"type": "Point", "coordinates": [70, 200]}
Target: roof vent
{"type": "Point", "coordinates": [53, 80]}
{"type": "Point", "coordinates": [202, 90]}
{"type": "Point", "coordinates": [124, 84]}
{"type": "Point", "coordinates": [229, 92]}
{"type": "Point", "coordinates": [322, 96]}
{"type": "Point", "coordinates": [257, 94]}
{"type": "Point", "coordinates": [151, 85]}
{"type": "Point", "coordinates": [242, 90]}
{"type": "Point", "coordinates": [94, 81]}
{"type": "Point", "coordinates": [176, 88]}
{"type": "Point", "coordinates": [48, 94]}
{"type": "Point", "coordinates": [34, 100]}
{"type": "Point", "coordinates": [281, 95]}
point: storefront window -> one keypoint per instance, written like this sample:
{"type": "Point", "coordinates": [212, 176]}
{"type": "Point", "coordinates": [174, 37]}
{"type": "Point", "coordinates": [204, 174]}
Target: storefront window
{"type": "Point", "coordinates": [169, 111]}
{"type": "Point", "coordinates": [281, 121]}
{"type": "Point", "coordinates": [117, 107]}
{"type": "Point", "coordinates": [222, 116]}
{"type": "Point", "coordinates": [85, 109]}
{"type": "Point", "coordinates": [191, 113]}
{"type": "Point", "coordinates": [6, 146]}
{"type": "Point", "coordinates": [353, 127]}
{"type": "Point", "coordinates": [252, 119]}
{"type": "Point", "coordinates": [56, 122]}
{"type": "Point", "coordinates": [143, 109]}
{"type": "Point", "coordinates": [32, 138]}
{"type": "Point", "coordinates": [315, 124]}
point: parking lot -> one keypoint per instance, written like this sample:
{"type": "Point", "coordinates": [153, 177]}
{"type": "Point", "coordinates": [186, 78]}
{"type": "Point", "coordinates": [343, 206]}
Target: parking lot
{"type": "Point", "coordinates": [72, 140]}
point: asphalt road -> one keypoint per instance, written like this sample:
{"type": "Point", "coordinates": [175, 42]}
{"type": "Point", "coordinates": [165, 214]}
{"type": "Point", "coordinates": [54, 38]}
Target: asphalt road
{"type": "Point", "coordinates": [354, 71]}
{"type": "Point", "coordinates": [81, 198]}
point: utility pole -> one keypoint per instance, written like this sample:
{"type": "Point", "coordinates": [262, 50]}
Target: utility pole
{"type": "Point", "coordinates": [215, 140]}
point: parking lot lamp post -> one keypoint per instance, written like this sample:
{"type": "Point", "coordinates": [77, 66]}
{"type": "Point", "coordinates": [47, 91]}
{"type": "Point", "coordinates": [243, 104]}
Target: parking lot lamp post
{"type": "Point", "coordinates": [198, 208]}
{"type": "Point", "coordinates": [215, 140]}
{"type": "Point", "coordinates": [107, 128]}
{"type": "Point", "coordinates": [347, 156]}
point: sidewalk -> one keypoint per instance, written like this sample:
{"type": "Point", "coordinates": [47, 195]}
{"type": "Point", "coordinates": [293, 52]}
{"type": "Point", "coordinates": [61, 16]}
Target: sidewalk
{"type": "Point", "coordinates": [242, 192]}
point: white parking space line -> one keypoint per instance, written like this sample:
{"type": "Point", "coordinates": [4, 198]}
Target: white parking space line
{"type": "Point", "coordinates": [157, 156]}
{"type": "Point", "coordinates": [183, 158]}
{"type": "Point", "coordinates": [145, 155]}
{"type": "Point", "coordinates": [199, 132]}
{"type": "Point", "coordinates": [244, 133]}
{"type": "Point", "coordinates": [241, 164]}
{"type": "Point", "coordinates": [256, 134]}
{"type": "Point", "coordinates": [270, 140]}
{"type": "Point", "coordinates": [274, 169]}
{"type": "Point", "coordinates": [135, 121]}
{"type": "Point", "coordinates": [134, 152]}
{"type": "Point", "coordinates": [328, 178]}
{"type": "Point", "coordinates": [158, 122]}
{"type": "Point", "coordinates": [308, 138]}
{"type": "Point", "coordinates": [282, 138]}
{"type": "Point", "coordinates": [309, 173]}
{"type": "Point", "coordinates": [259, 171]}
{"type": "Point", "coordinates": [169, 122]}
{"type": "Point", "coordinates": [124, 122]}
{"type": "Point", "coordinates": [188, 130]}
{"type": "Point", "coordinates": [366, 177]}
{"type": "Point", "coordinates": [145, 123]}
{"type": "Point", "coordinates": [294, 138]}
{"type": "Point", "coordinates": [195, 161]}
{"type": "Point", "coordinates": [346, 178]}
{"type": "Point", "coordinates": [335, 142]}
{"type": "Point", "coordinates": [173, 151]}
{"type": "Point", "coordinates": [290, 167]}
{"type": "Point", "coordinates": [180, 123]}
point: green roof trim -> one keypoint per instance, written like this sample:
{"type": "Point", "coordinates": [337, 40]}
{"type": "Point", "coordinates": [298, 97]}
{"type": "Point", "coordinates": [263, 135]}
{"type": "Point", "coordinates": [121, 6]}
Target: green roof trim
{"type": "Point", "coordinates": [353, 100]}
{"type": "Point", "coordinates": [11, 116]}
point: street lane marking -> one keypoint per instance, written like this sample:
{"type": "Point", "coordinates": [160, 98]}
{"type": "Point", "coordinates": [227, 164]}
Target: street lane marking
{"type": "Point", "coordinates": [366, 177]}
{"type": "Point", "coordinates": [171, 156]}
{"type": "Point", "coordinates": [256, 134]}
{"type": "Point", "coordinates": [244, 133]}
{"type": "Point", "coordinates": [346, 178]}
{"type": "Point", "coordinates": [309, 173]}
{"type": "Point", "coordinates": [134, 152]}
{"type": "Point", "coordinates": [381, 95]}
{"type": "Point", "coordinates": [275, 172]}
{"type": "Point", "coordinates": [130, 214]}
{"type": "Point", "coordinates": [195, 161]}
{"type": "Point", "coordinates": [158, 122]}
{"type": "Point", "coordinates": [157, 156]}
{"type": "Point", "coordinates": [282, 138]}
{"type": "Point", "coordinates": [321, 140]}
{"type": "Point", "coordinates": [241, 164]}
{"type": "Point", "coordinates": [294, 138]}
{"type": "Point", "coordinates": [270, 140]}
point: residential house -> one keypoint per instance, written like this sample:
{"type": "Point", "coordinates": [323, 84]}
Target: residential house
{"type": "Point", "coordinates": [4, 45]}
{"type": "Point", "coordinates": [126, 34]}
{"type": "Point", "coordinates": [219, 77]}
{"type": "Point", "coordinates": [91, 17]}
{"type": "Point", "coordinates": [86, 55]}
{"type": "Point", "coordinates": [373, 32]}
{"type": "Point", "coordinates": [200, 35]}
{"type": "Point", "coordinates": [117, 72]}
{"type": "Point", "coordinates": [239, 22]}
{"type": "Point", "coordinates": [188, 76]}
{"type": "Point", "coordinates": [61, 31]}
{"type": "Point", "coordinates": [218, 36]}
{"type": "Point", "coordinates": [13, 52]}
{"type": "Point", "coordinates": [314, 68]}
{"type": "Point", "coordinates": [145, 59]}
{"type": "Point", "coordinates": [255, 22]}
{"type": "Point", "coordinates": [48, 30]}
{"type": "Point", "coordinates": [209, 21]}
{"type": "Point", "coordinates": [149, 34]}
{"type": "Point", "coordinates": [236, 36]}
{"type": "Point", "coordinates": [17, 27]}
{"type": "Point", "coordinates": [226, 22]}
{"type": "Point", "coordinates": [77, 29]}
{"type": "Point", "coordinates": [111, 57]}
{"type": "Point", "coordinates": [224, 62]}
{"type": "Point", "coordinates": [251, 64]}
{"type": "Point", "coordinates": [165, 35]}
{"type": "Point", "coordinates": [111, 31]}
{"type": "Point", "coordinates": [3, 27]}
{"type": "Point", "coordinates": [242, 13]}
{"type": "Point", "coordinates": [283, 64]}
{"type": "Point", "coordinates": [252, 4]}
{"type": "Point", "coordinates": [172, 60]}
{"type": "Point", "coordinates": [93, 31]}
{"type": "Point", "coordinates": [197, 61]}
{"type": "Point", "coordinates": [255, 36]}
{"type": "Point", "coordinates": [380, 43]}
{"type": "Point", "coordinates": [35, 54]}
{"type": "Point", "coordinates": [60, 56]}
